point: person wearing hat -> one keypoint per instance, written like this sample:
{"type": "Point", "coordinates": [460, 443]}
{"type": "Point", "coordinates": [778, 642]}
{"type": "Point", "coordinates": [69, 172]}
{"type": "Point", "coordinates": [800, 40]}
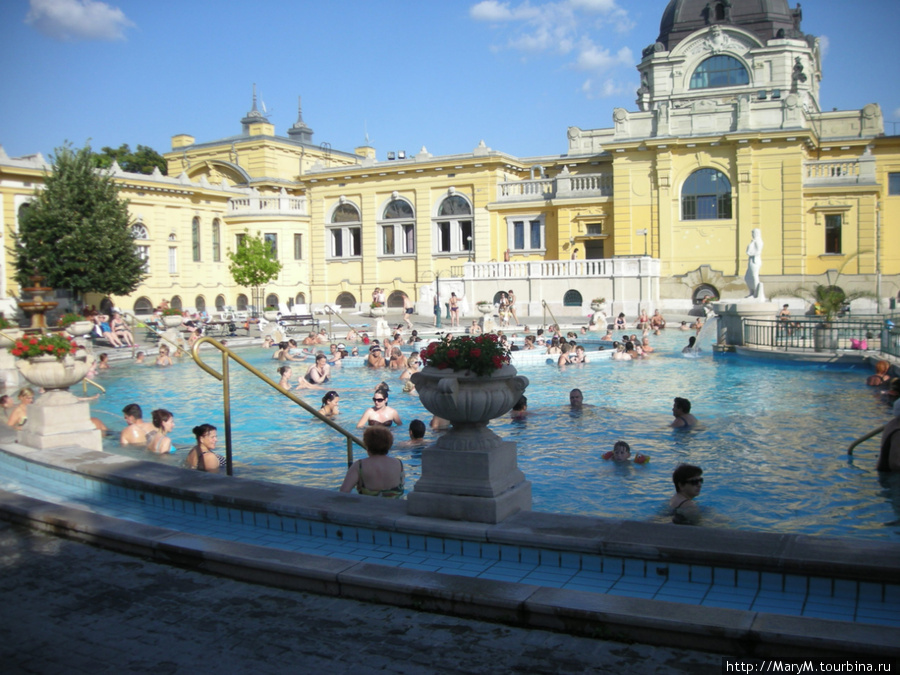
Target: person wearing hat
{"type": "Point", "coordinates": [889, 459]}
{"type": "Point", "coordinates": [375, 359]}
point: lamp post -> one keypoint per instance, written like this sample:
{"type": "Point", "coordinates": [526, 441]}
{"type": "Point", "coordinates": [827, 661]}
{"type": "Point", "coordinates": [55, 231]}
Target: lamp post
{"type": "Point", "coordinates": [643, 232]}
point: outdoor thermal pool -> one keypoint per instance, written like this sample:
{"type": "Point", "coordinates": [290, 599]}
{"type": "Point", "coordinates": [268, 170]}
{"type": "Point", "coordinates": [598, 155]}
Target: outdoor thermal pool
{"type": "Point", "coordinates": [772, 440]}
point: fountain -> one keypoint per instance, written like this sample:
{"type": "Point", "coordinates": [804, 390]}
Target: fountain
{"type": "Point", "coordinates": [37, 307]}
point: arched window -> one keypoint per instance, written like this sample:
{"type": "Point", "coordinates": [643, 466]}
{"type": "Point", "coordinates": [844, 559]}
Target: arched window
{"type": "Point", "coordinates": [453, 226]}
{"type": "Point", "coordinates": [143, 305]}
{"type": "Point", "coordinates": [345, 300]}
{"type": "Point", "coordinates": [398, 228]}
{"type": "Point", "coordinates": [345, 231]}
{"type": "Point", "coordinates": [242, 303]}
{"type": "Point", "coordinates": [139, 231]}
{"type": "Point", "coordinates": [195, 239]}
{"type": "Point", "coordinates": [572, 298]}
{"type": "Point", "coordinates": [220, 303]}
{"type": "Point", "coordinates": [200, 303]}
{"type": "Point", "coordinates": [272, 300]}
{"type": "Point", "coordinates": [706, 195]}
{"type": "Point", "coordinates": [719, 71]}
{"type": "Point", "coordinates": [175, 302]}
{"type": "Point", "coordinates": [395, 299]}
{"type": "Point", "coordinates": [216, 241]}
{"type": "Point", "coordinates": [300, 299]}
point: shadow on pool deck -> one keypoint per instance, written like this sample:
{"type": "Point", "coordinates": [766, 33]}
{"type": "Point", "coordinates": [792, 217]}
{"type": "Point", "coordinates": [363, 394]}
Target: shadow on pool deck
{"type": "Point", "coordinates": [726, 630]}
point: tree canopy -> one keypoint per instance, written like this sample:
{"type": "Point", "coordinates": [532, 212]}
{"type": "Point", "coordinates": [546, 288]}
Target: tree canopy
{"type": "Point", "coordinates": [141, 160]}
{"type": "Point", "coordinates": [77, 231]}
{"type": "Point", "coordinates": [254, 262]}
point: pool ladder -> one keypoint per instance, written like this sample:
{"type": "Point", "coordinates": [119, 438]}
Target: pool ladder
{"type": "Point", "coordinates": [224, 378]}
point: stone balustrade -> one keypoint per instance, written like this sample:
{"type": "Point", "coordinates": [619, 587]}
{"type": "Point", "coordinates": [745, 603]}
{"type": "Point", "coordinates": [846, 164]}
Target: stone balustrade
{"type": "Point", "coordinates": [275, 205]}
{"type": "Point", "coordinates": [559, 269]}
{"type": "Point", "coordinates": [564, 185]}
{"type": "Point", "coordinates": [843, 172]}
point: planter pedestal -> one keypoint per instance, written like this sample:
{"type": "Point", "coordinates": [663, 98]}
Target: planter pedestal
{"type": "Point", "coordinates": [732, 312]}
{"type": "Point", "coordinates": [382, 328]}
{"type": "Point", "coordinates": [470, 473]}
{"type": "Point", "coordinates": [59, 419]}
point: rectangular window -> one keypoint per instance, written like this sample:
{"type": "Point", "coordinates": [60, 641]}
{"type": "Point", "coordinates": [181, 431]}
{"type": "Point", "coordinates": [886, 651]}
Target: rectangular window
{"type": "Point", "coordinates": [217, 249]}
{"type": "Point", "coordinates": [465, 233]}
{"type": "Point", "coordinates": [833, 233]}
{"type": "Point", "coordinates": [298, 247]}
{"type": "Point", "coordinates": [272, 240]}
{"type": "Point", "coordinates": [409, 238]}
{"type": "Point", "coordinates": [388, 239]}
{"type": "Point", "coordinates": [526, 235]}
{"type": "Point", "coordinates": [195, 239]}
{"type": "Point", "coordinates": [238, 240]}
{"type": "Point", "coordinates": [398, 239]}
{"type": "Point", "coordinates": [594, 229]}
{"type": "Point", "coordinates": [346, 242]}
{"type": "Point", "coordinates": [894, 183]}
{"type": "Point", "coordinates": [173, 260]}
{"type": "Point", "coordinates": [444, 245]}
{"type": "Point", "coordinates": [536, 234]}
{"type": "Point", "coordinates": [518, 235]}
{"type": "Point", "coordinates": [144, 254]}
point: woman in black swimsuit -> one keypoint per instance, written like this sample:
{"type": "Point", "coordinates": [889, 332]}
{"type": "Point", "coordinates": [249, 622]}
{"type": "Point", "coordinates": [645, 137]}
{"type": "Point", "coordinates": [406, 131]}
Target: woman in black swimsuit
{"type": "Point", "coordinates": [380, 413]}
{"type": "Point", "coordinates": [201, 457]}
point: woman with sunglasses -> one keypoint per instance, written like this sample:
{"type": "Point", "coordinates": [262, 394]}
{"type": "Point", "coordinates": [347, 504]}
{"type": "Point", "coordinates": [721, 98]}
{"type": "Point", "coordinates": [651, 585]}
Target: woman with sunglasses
{"type": "Point", "coordinates": [379, 414]}
{"type": "Point", "coordinates": [688, 480]}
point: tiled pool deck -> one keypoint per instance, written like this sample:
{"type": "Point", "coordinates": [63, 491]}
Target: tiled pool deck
{"type": "Point", "coordinates": [834, 594]}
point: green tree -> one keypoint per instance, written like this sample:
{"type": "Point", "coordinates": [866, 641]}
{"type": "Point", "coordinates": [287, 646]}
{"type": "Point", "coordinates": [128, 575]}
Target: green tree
{"type": "Point", "coordinates": [142, 160]}
{"type": "Point", "coordinates": [77, 232]}
{"type": "Point", "coordinates": [253, 264]}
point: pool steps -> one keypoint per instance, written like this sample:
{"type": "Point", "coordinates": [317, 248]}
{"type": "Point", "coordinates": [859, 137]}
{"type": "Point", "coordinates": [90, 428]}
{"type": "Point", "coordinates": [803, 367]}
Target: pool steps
{"type": "Point", "coordinates": [242, 535]}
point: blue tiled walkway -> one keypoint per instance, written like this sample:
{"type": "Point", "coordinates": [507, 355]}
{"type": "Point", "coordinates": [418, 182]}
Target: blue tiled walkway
{"type": "Point", "coordinates": [752, 590]}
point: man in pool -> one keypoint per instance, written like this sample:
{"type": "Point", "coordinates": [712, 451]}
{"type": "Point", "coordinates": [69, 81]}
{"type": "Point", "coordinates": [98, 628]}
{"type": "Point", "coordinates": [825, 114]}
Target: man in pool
{"type": "Point", "coordinates": [417, 433]}
{"type": "Point", "coordinates": [576, 400]}
{"type": "Point", "coordinates": [136, 431]}
{"type": "Point", "coordinates": [681, 409]}
{"type": "Point", "coordinates": [375, 358]}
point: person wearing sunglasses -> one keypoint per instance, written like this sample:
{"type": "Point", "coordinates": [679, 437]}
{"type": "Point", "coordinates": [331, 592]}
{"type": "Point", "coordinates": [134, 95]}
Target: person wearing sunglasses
{"type": "Point", "coordinates": [688, 480]}
{"type": "Point", "coordinates": [380, 413]}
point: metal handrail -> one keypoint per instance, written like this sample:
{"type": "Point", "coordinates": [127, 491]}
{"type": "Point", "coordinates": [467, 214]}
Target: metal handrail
{"type": "Point", "coordinates": [330, 311]}
{"type": "Point", "coordinates": [86, 381]}
{"type": "Point", "coordinates": [547, 310]}
{"type": "Point", "coordinates": [226, 395]}
{"type": "Point", "coordinates": [869, 435]}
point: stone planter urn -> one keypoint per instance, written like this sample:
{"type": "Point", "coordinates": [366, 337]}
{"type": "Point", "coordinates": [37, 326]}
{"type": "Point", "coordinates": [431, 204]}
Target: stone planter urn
{"type": "Point", "coordinates": [470, 473]}
{"type": "Point", "coordinates": [270, 315]}
{"type": "Point", "coordinates": [171, 321]}
{"type": "Point", "coordinates": [485, 308]}
{"type": "Point", "coordinates": [52, 374]}
{"type": "Point", "coordinates": [79, 328]}
{"type": "Point", "coordinates": [58, 418]}
{"type": "Point", "coordinates": [825, 338]}
{"type": "Point", "coordinates": [377, 311]}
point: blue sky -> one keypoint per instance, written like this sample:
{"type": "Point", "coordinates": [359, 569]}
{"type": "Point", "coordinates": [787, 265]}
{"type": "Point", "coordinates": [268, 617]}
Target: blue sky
{"type": "Point", "coordinates": [443, 74]}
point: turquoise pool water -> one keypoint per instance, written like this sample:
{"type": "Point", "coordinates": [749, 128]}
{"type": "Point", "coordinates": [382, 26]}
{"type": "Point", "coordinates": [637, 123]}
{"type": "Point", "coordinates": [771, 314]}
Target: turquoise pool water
{"type": "Point", "coordinates": [772, 442]}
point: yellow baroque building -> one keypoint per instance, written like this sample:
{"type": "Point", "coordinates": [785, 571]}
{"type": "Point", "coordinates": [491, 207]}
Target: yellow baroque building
{"type": "Point", "coordinates": [656, 211]}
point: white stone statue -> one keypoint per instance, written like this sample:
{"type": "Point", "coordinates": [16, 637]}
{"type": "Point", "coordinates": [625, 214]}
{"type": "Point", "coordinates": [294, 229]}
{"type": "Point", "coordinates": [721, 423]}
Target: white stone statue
{"type": "Point", "coordinates": [754, 262]}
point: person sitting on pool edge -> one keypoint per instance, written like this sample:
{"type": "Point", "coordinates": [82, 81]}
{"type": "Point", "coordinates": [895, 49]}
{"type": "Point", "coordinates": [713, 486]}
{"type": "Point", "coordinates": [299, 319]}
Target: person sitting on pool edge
{"type": "Point", "coordinates": [376, 475]}
{"type": "Point", "coordinates": [688, 480]}
{"type": "Point", "coordinates": [201, 457]}
{"type": "Point", "coordinates": [136, 431]}
{"type": "Point", "coordinates": [681, 409]}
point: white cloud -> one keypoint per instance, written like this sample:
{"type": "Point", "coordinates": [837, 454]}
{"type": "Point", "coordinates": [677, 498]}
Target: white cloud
{"type": "Point", "coordinates": [563, 27]}
{"type": "Point", "coordinates": [77, 20]}
{"type": "Point", "coordinates": [896, 114]}
{"type": "Point", "coordinates": [606, 89]}
{"type": "Point", "coordinates": [824, 44]}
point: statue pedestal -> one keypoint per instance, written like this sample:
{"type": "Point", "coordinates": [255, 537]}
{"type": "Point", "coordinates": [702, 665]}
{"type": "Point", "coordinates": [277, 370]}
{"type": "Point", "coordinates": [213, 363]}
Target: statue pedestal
{"type": "Point", "coordinates": [382, 329]}
{"type": "Point", "coordinates": [732, 313]}
{"type": "Point", "coordinates": [470, 475]}
{"type": "Point", "coordinates": [9, 374]}
{"type": "Point", "coordinates": [487, 323]}
{"type": "Point", "coordinates": [58, 419]}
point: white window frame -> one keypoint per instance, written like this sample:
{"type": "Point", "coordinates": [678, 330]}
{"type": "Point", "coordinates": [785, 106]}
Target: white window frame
{"type": "Point", "coordinates": [346, 237]}
{"type": "Point", "coordinates": [456, 225]}
{"type": "Point", "coordinates": [298, 246]}
{"type": "Point", "coordinates": [173, 260]}
{"type": "Point", "coordinates": [528, 222]}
